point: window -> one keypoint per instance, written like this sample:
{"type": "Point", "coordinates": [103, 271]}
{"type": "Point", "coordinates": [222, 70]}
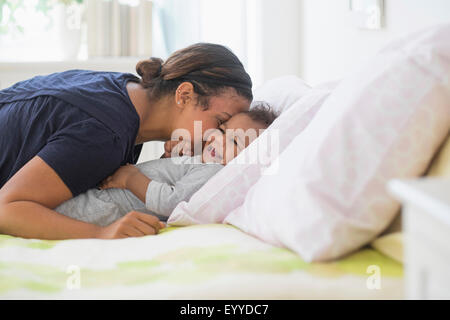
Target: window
{"type": "Point", "coordinates": [39, 29]}
{"type": "Point", "coordinates": [69, 30]}
{"type": "Point", "coordinates": [55, 30]}
{"type": "Point", "coordinates": [233, 23]}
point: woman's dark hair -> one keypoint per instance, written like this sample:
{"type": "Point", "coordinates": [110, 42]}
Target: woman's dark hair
{"type": "Point", "coordinates": [262, 112]}
{"type": "Point", "coordinates": [211, 68]}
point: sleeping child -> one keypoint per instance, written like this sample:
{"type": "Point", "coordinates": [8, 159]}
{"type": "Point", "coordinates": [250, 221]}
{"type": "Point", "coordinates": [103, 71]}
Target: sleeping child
{"type": "Point", "coordinates": [157, 186]}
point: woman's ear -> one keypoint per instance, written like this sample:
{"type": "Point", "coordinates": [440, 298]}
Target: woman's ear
{"type": "Point", "coordinates": [184, 94]}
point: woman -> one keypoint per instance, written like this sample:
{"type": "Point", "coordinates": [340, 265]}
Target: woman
{"type": "Point", "coordinates": [64, 133]}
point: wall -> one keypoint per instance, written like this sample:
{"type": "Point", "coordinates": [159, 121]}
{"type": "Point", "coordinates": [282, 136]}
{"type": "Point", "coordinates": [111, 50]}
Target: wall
{"type": "Point", "coordinates": [281, 46]}
{"type": "Point", "coordinates": [333, 47]}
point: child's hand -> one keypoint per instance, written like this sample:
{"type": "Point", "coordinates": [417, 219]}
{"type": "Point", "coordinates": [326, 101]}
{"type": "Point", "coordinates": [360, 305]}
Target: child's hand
{"type": "Point", "coordinates": [176, 149]}
{"type": "Point", "coordinates": [120, 178]}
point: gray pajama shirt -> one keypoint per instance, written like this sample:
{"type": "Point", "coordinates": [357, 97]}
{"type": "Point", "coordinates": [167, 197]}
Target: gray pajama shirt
{"type": "Point", "coordinates": [172, 180]}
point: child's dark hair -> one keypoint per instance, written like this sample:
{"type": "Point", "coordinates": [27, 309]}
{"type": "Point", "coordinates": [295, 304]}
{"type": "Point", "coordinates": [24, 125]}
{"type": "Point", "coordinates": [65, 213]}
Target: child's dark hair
{"type": "Point", "coordinates": [262, 113]}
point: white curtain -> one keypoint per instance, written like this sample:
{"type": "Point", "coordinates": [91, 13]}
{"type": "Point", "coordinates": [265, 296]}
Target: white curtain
{"type": "Point", "coordinates": [180, 24]}
{"type": "Point", "coordinates": [233, 23]}
{"type": "Point", "coordinates": [119, 28]}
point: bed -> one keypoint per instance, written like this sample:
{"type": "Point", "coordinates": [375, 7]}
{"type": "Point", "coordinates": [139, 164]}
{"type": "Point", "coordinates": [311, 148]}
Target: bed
{"type": "Point", "coordinates": [215, 261]}
{"type": "Point", "coordinates": [209, 261]}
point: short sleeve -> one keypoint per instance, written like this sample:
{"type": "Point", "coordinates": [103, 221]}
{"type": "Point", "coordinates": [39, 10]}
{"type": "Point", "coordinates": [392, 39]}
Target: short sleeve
{"type": "Point", "coordinates": [83, 154]}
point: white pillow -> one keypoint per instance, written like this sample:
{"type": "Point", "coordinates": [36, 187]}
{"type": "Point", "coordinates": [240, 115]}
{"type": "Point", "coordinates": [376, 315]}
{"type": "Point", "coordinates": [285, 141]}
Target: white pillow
{"type": "Point", "coordinates": [227, 189]}
{"type": "Point", "coordinates": [385, 121]}
{"type": "Point", "coordinates": [281, 93]}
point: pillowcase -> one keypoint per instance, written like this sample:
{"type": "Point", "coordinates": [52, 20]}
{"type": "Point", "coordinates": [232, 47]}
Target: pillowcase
{"type": "Point", "coordinates": [439, 167]}
{"type": "Point", "coordinates": [226, 190]}
{"type": "Point", "coordinates": [385, 121]}
{"type": "Point", "coordinates": [281, 93]}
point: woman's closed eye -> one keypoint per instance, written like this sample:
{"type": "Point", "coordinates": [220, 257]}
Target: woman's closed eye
{"type": "Point", "coordinates": [219, 122]}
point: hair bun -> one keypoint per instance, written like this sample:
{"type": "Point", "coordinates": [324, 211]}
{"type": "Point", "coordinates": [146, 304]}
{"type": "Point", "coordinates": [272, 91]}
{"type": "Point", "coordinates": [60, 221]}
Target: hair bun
{"type": "Point", "coordinates": [149, 69]}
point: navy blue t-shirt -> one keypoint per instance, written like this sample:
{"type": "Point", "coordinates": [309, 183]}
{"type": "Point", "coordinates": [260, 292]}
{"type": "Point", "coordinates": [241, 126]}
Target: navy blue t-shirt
{"type": "Point", "coordinates": [81, 123]}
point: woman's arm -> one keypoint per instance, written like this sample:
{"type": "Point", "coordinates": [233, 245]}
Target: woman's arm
{"type": "Point", "coordinates": [128, 177]}
{"type": "Point", "coordinates": [138, 184]}
{"type": "Point", "coordinates": [27, 200]}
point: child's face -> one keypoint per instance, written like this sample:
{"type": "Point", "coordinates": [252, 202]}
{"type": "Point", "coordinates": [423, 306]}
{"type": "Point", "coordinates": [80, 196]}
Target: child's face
{"type": "Point", "coordinates": [233, 136]}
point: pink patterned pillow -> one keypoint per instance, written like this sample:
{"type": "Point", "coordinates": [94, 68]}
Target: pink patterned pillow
{"type": "Point", "coordinates": [329, 196]}
{"type": "Point", "coordinates": [227, 189]}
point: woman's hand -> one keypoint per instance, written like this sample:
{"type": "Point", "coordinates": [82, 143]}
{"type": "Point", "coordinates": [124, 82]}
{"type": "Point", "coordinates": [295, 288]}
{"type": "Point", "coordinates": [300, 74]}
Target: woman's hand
{"type": "Point", "coordinates": [120, 178]}
{"type": "Point", "coordinates": [177, 149]}
{"type": "Point", "coordinates": [133, 224]}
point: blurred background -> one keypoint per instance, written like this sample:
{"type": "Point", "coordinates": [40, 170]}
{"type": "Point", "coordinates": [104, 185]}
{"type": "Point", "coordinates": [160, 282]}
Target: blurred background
{"type": "Point", "coordinates": [317, 40]}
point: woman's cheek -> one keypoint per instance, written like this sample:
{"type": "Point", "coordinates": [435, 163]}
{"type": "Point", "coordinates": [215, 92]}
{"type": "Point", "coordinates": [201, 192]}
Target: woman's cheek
{"type": "Point", "coordinates": [209, 124]}
{"type": "Point", "coordinates": [199, 129]}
